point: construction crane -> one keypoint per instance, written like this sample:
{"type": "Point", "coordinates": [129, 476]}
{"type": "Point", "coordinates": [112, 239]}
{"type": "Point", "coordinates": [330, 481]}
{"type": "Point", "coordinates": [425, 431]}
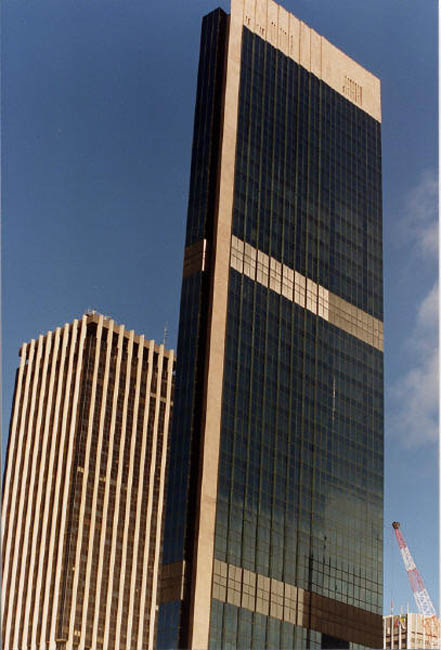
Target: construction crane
{"type": "Point", "coordinates": [421, 595]}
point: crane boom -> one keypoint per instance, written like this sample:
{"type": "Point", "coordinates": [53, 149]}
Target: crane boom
{"type": "Point", "coordinates": [430, 620]}
{"type": "Point", "coordinates": [421, 595]}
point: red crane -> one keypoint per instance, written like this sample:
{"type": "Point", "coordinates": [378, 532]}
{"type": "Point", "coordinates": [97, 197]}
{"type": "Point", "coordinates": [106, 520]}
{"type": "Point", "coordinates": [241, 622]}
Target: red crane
{"type": "Point", "coordinates": [421, 595]}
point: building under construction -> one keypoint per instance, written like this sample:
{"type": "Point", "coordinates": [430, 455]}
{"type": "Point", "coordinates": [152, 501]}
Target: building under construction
{"type": "Point", "coordinates": [408, 631]}
{"type": "Point", "coordinates": [412, 630]}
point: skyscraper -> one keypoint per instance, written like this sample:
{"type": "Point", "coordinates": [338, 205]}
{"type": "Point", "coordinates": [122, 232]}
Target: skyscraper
{"type": "Point", "coordinates": [274, 519]}
{"type": "Point", "coordinates": [83, 489]}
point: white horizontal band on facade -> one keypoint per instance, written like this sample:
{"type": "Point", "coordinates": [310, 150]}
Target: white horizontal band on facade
{"type": "Point", "coordinates": [294, 286]}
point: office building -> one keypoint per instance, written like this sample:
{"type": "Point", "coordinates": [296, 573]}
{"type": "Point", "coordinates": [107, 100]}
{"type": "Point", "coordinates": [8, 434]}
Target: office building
{"type": "Point", "coordinates": [83, 489]}
{"type": "Point", "coordinates": [410, 631]}
{"type": "Point", "coordinates": [274, 519]}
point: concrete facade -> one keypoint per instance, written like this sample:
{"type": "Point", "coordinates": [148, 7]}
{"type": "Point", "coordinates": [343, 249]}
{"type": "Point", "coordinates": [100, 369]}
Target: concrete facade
{"type": "Point", "coordinates": [83, 490]}
{"type": "Point", "coordinates": [410, 631]}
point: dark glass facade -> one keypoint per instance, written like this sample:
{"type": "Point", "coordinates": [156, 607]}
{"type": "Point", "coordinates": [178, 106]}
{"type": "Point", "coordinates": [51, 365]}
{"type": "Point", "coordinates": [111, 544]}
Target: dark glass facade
{"type": "Point", "coordinates": [300, 484]}
{"type": "Point", "coordinates": [185, 436]}
{"type": "Point", "coordinates": [308, 176]}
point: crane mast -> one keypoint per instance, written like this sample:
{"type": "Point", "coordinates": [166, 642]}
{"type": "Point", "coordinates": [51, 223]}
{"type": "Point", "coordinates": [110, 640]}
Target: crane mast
{"type": "Point", "coordinates": [421, 595]}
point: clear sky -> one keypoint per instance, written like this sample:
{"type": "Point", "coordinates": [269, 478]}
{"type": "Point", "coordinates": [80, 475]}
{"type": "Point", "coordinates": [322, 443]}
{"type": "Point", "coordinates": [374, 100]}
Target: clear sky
{"type": "Point", "coordinates": [98, 100]}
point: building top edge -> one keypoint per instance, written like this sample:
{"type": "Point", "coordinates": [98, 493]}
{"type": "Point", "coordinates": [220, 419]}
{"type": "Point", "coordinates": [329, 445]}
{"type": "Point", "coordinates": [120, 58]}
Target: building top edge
{"type": "Point", "coordinates": [94, 317]}
{"type": "Point", "coordinates": [294, 38]}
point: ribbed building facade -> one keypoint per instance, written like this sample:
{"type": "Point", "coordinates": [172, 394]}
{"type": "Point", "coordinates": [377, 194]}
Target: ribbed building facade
{"type": "Point", "coordinates": [83, 489]}
{"type": "Point", "coordinates": [274, 520]}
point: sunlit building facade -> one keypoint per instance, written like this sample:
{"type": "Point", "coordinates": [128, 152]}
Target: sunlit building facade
{"type": "Point", "coordinates": [274, 520]}
{"type": "Point", "coordinates": [410, 631]}
{"type": "Point", "coordinates": [83, 489]}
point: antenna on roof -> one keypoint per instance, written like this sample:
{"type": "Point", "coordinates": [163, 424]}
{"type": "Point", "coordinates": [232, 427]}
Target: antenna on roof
{"type": "Point", "coordinates": [164, 338]}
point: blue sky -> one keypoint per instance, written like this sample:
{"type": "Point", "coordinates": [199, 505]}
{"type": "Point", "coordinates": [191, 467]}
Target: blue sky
{"type": "Point", "coordinates": [98, 100]}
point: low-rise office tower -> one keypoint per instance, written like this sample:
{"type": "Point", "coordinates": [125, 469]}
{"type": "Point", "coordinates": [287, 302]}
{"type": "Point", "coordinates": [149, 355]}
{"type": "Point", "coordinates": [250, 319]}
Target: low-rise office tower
{"type": "Point", "coordinates": [83, 489]}
{"type": "Point", "coordinates": [410, 631]}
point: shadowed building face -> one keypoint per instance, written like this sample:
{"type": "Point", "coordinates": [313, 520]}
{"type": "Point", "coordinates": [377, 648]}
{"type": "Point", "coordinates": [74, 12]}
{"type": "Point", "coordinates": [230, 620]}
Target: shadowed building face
{"type": "Point", "coordinates": [274, 520]}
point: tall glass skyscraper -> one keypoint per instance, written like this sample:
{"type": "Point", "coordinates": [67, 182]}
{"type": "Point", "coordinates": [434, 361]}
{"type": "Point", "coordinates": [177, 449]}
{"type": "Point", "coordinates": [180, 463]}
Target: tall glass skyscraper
{"type": "Point", "coordinates": [274, 519]}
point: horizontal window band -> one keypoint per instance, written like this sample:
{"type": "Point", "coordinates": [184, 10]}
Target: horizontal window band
{"type": "Point", "coordinates": [286, 602]}
{"type": "Point", "coordinates": [294, 286]}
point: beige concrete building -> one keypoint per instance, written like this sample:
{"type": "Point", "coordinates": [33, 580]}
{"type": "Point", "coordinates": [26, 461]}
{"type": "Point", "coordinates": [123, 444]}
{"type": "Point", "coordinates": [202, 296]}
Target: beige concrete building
{"type": "Point", "coordinates": [410, 631]}
{"type": "Point", "coordinates": [83, 489]}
